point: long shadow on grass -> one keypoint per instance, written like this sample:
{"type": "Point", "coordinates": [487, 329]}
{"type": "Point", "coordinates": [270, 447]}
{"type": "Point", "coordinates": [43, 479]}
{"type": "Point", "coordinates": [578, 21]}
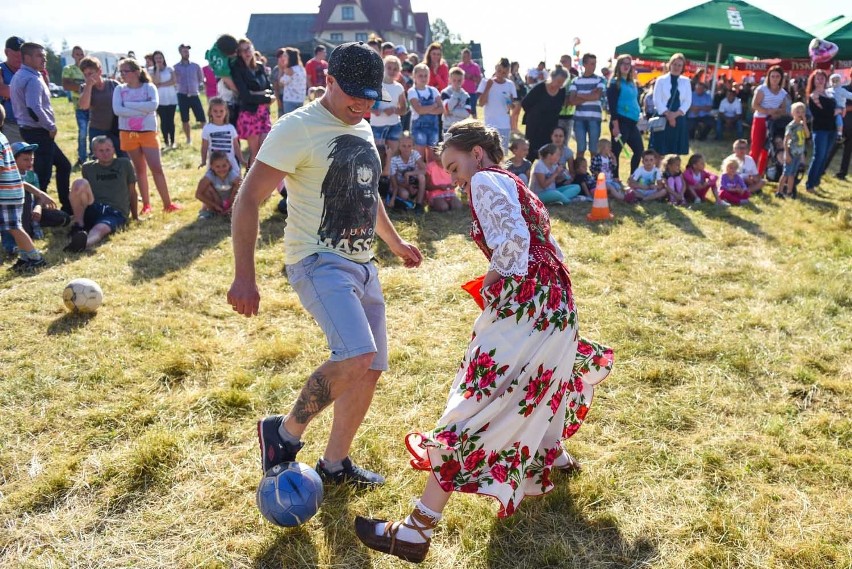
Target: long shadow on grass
{"type": "Point", "coordinates": [729, 215]}
{"type": "Point", "coordinates": [640, 215]}
{"type": "Point", "coordinates": [294, 549]}
{"type": "Point", "coordinates": [818, 202]}
{"type": "Point", "coordinates": [179, 249]}
{"type": "Point", "coordinates": [550, 531]}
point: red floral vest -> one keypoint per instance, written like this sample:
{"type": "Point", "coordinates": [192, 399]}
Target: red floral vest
{"type": "Point", "coordinates": [543, 261]}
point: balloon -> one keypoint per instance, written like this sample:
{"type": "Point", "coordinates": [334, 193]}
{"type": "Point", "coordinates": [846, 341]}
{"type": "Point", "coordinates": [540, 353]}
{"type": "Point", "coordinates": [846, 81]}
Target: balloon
{"type": "Point", "coordinates": [822, 51]}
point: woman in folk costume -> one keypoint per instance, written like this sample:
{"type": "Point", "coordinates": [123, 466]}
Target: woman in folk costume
{"type": "Point", "coordinates": [527, 378]}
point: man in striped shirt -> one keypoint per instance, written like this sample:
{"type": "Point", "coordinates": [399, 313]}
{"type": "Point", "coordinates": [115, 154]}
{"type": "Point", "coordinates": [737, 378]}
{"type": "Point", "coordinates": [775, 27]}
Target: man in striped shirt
{"type": "Point", "coordinates": [586, 92]}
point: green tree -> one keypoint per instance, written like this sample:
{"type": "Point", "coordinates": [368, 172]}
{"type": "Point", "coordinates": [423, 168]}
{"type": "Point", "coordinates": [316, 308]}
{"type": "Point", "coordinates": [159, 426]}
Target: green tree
{"type": "Point", "coordinates": [452, 44]}
{"type": "Point", "coordinates": [54, 64]}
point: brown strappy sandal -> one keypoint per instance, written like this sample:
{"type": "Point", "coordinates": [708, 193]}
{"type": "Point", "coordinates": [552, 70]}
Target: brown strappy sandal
{"type": "Point", "coordinates": [365, 528]}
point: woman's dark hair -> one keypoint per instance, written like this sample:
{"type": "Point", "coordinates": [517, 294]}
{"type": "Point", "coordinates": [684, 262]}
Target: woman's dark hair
{"type": "Point", "coordinates": [293, 57]}
{"type": "Point", "coordinates": [557, 127]}
{"type": "Point", "coordinates": [774, 69]}
{"type": "Point", "coordinates": [810, 87]}
{"type": "Point", "coordinates": [504, 63]}
{"type": "Point", "coordinates": [240, 61]}
{"type": "Point", "coordinates": [466, 134]}
{"type": "Point", "coordinates": [154, 58]}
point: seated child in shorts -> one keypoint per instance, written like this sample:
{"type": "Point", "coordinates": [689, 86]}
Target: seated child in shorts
{"type": "Point", "coordinates": [218, 188]}
{"type": "Point", "coordinates": [646, 183]}
{"type": "Point", "coordinates": [407, 175]}
{"type": "Point", "coordinates": [604, 161]}
{"type": "Point", "coordinates": [440, 190]}
{"type": "Point", "coordinates": [518, 163]}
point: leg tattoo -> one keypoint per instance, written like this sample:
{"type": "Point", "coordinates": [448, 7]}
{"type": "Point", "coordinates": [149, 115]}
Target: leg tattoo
{"type": "Point", "coordinates": [315, 396]}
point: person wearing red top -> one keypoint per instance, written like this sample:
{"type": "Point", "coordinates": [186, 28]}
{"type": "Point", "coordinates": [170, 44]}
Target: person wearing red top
{"type": "Point", "coordinates": [316, 67]}
{"type": "Point", "coordinates": [439, 71]}
{"type": "Point", "coordinates": [472, 77]}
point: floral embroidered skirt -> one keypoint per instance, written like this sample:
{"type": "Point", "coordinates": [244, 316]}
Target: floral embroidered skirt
{"type": "Point", "coordinates": [526, 382]}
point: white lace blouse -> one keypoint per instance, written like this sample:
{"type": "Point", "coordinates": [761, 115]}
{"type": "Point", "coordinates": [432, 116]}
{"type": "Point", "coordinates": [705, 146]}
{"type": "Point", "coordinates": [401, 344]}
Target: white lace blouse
{"type": "Point", "coordinates": [495, 201]}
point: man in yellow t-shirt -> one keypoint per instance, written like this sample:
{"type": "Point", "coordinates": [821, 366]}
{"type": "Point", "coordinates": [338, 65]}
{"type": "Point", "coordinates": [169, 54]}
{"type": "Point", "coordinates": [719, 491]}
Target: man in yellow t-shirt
{"type": "Point", "coordinates": [326, 154]}
{"type": "Point", "coordinates": [73, 81]}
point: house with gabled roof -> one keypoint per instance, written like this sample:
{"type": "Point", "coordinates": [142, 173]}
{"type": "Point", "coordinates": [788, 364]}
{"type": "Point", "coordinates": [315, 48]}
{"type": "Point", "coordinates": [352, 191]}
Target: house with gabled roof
{"type": "Point", "coordinates": [339, 21]}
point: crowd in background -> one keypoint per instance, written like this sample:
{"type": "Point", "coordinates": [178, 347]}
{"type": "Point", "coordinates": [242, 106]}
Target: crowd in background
{"type": "Point", "coordinates": [422, 97]}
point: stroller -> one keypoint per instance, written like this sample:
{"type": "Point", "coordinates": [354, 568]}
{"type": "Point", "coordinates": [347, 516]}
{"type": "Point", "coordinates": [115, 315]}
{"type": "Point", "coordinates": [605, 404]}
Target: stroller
{"type": "Point", "coordinates": [775, 148]}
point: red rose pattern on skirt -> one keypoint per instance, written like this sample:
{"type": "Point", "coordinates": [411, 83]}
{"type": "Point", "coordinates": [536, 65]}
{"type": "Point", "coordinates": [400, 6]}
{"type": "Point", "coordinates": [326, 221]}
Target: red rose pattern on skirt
{"type": "Point", "coordinates": [524, 367]}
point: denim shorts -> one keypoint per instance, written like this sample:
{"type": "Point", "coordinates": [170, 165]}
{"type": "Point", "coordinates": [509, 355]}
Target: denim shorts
{"type": "Point", "coordinates": [792, 168]}
{"type": "Point", "coordinates": [345, 298]}
{"type": "Point", "coordinates": [424, 136]}
{"type": "Point", "coordinates": [390, 132]}
{"type": "Point", "coordinates": [101, 213]}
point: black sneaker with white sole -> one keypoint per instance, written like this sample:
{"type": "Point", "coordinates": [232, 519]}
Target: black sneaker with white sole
{"type": "Point", "coordinates": [273, 449]}
{"type": "Point", "coordinates": [351, 474]}
{"type": "Point", "coordinates": [26, 266]}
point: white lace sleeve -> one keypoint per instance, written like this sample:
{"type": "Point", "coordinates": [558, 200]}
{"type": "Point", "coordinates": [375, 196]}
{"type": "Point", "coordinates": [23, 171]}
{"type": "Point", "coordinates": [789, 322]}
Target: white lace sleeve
{"type": "Point", "coordinates": [495, 200]}
{"type": "Point", "coordinates": [556, 246]}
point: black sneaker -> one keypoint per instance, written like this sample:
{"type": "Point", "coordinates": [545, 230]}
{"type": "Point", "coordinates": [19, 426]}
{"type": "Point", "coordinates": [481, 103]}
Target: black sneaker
{"type": "Point", "coordinates": [24, 266]}
{"type": "Point", "coordinates": [351, 474]}
{"type": "Point", "coordinates": [273, 449]}
{"type": "Point", "coordinates": [75, 228]}
{"type": "Point", "coordinates": [78, 240]}
{"type": "Point", "coordinates": [418, 208]}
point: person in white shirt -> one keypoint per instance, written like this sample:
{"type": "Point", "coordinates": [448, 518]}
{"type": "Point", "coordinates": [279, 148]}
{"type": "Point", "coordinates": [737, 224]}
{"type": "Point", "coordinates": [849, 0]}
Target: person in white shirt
{"type": "Point", "coordinates": [496, 96]}
{"type": "Point", "coordinates": [730, 115]}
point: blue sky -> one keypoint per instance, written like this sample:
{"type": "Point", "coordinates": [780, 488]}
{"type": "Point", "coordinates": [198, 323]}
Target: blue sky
{"type": "Point", "coordinates": [525, 31]}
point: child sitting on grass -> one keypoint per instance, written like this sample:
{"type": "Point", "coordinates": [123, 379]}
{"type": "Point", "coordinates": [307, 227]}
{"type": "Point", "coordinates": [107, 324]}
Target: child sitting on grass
{"type": "Point", "coordinates": [218, 188]}
{"type": "Point", "coordinates": [518, 163]}
{"type": "Point", "coordinates": [11, 207]}
{"type": "Point", "coordinates": [646, 183]}
{"type": "Point", "coordinates": [583, 179]}
{"type": "Point", "coordinates": [605, 161]}
{"type": "Point", "coordinates": [673, 179]}
{"type": "Point", "coordinates": [795, 135]}
{"type": "Point", "coordinates": [440, 190]}
{"type": "Point", "coordinates": [407, 175]}
{"type": "Point", "coordinates": [732, 186]}
{"type": "Point", "coordinates": [699, 180]}
{"type": "Point", "coordinates": [548, 179]}
{"type": "Point", "coordinates": [39, 209]}
{"type": "Point", "coordinates": [746, 167]}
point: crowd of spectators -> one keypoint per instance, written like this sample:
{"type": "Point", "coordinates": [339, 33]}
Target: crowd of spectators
{"type": "Point", "coordinates": [652, 124]}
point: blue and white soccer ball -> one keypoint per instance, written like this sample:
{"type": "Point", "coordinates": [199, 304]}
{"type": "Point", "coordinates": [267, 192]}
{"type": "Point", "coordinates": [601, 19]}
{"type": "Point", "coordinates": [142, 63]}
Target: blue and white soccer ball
{"type": "Point", "coordinates": [289, 494]}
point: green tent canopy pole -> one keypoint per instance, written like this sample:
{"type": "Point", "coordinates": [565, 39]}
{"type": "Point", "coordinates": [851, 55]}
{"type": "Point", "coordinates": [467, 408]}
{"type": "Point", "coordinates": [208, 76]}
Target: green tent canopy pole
{"type": "Point", "coordinates": [716, 69]}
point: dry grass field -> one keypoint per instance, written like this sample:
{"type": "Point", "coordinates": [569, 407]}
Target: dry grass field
{"type": "Point", "coordinates": [722, 439]}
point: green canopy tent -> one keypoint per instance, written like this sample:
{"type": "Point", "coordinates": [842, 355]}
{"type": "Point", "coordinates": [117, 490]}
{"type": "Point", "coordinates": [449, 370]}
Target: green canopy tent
{"type": "Point", "coordinates": [727, 27]}
{"type": "Point", "coordinates": [837, 30]}
{"type": "Point", "coordinates": [635, 49]}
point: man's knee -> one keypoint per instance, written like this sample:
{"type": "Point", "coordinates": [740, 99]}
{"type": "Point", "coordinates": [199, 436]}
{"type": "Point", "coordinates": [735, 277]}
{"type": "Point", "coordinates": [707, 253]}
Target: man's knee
{"type": "Point", "coordinates": [360, 364]}
{"type": "Point", "coordinates": [81, 186]}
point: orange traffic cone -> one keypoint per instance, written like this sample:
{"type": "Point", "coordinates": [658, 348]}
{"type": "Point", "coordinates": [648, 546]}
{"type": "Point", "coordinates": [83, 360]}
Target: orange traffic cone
{"type": "Point", "coordinates": [600, 205]}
